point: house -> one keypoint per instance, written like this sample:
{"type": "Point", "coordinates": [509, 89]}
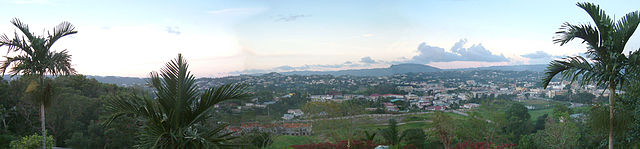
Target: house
{"type": "Point", "coordinates": [287, 116]}
{"type": "Point", "coordinates": [437, 108]}
{"type": "Point", "coordinates": [390, 106]}
{"type": "Point", "coordinates": [393, 96]}
{"type": "Point", "coordinates": [295, 112]}
{"type": "Point", "coordinates": [470, 105]}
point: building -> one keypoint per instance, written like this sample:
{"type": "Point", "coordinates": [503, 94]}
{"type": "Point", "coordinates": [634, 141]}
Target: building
{"type": "Point", "coordinates": [295, 112]}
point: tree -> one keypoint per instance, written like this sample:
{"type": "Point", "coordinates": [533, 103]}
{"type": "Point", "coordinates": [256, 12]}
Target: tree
{"type": "Point", "coordinates": [369, 136]}
{"type": "Point", "coordinates": [517, 121]}
{"type": "Point", "coordinates": [414, 136]}
{"type": "Point", "coordinates": [607, 66]}
{"type": "Point", "coordinates": [561, 111]}
{"type": "Point", "coordinates": [583, 97]}
{"type": "Point", "coordinates": [558, 135]}
{"type": "Point", "coordinates": [34, 57]}
{"type": "Point", "coordinates": [540, 121]}
{"type": "Point", "coordinates": [444, 128]}
{"type": "Point", "coordinates": [392, 134]}
{"type": "Point", "coordinates": [175, 118]}
{"type": "Point", "coordinates": [32, 141]}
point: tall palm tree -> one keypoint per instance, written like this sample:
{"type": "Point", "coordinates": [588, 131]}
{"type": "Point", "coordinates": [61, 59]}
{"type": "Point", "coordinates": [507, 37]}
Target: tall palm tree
{"type": "Point", "coordinates": [607, 65]}
{"type": "Point", "coordinates": [175, 118]}
{"type": "Point", "coordinates": [34, 58]}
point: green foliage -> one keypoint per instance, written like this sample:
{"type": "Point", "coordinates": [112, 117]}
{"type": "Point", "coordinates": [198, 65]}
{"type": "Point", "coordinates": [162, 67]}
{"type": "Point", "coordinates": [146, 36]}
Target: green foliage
{"type": "Point", "coordinates": [369, 136]}
{"type": "Point", "coordinates": [584, 97]}
{"type": "Point", "coordinates": [415, 136]}
{"type": "Point", "coordinates": [598, 119]}
{"type": "Point", "coordinates": [539, 125]}
{"type": "Point", "coordinates": [31, 142]}
{"type": "Point", "coordinates": [444, 128]}
{"type": "Point", "coordinates": [560, 110]}
{"type": "Point", "coordinates": [257, 139]}
{"type": "Point", "coordinates": [175, 118]}
{"type": "Point", "coordinates": [558, 135]}
{"type": "Point", "coordinates": [391, 134]}
{"type": "Point", "coordinates": [517, 117]}
{"type": "Point", "coordinates": [5, 140]}
{"type": "Point", "coordinates": [77, 140]}
{"type": "Point", "coordinates": [528, 142]}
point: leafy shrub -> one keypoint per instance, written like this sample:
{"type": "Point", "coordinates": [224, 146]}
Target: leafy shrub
{"type": "Point", "coordinates": [32, 141]}
{"type": "Point", "coordinates": [483, 145]}
{"type": "Point", "coordinates": [351, 144]}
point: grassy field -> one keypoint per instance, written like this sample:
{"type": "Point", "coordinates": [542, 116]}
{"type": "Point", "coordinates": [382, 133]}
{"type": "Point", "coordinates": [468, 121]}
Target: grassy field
{"type": "Point", "coordinates": [536, 113]}
{"type": "Point", "coordinates": [537, 103]}
{"type": "Point", "coordinates": [328, 130]}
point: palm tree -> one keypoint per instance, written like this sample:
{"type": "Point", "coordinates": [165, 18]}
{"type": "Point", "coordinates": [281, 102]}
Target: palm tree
{"type": "Point", "coordinates": [175, 118]}
{"type": "Point", "coordinates": [34, 58]}
{"type": "Point", "coordinates": [392, 134]}
{"type": "Point", "coordinates": [607, 65]}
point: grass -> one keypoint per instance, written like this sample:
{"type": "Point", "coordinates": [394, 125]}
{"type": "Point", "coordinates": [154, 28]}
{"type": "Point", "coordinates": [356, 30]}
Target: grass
{"type": "Point", "coordinates": [537, 113]}
{"type": "Point", "coordinates": [537, 103]}
{"type": "Point", "coordinates": [344, 128]}
{"type": "Point", "coordinates": [285, 141]}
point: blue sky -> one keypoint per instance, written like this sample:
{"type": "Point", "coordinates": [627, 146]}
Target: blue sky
{"type": "Point", "coordinates": [132, 38]}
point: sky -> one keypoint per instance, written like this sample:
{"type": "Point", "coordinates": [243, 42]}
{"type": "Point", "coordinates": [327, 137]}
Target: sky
{"type": "Point", "coordinates": [221, 38]}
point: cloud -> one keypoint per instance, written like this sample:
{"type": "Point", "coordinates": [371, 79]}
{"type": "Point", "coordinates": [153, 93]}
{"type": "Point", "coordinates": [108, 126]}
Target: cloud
{"type": "Point", "coordinates": [540, 57]}
{"type": "Point", "coordinates": [367, 60]}
{"type": "Point", "coordinates": [537, 55]}
{"type": "Point", "coordinates": [315, 67]}
{"type": "Point", "coordinates": [173, 30]}
{"type": "Point", "coordinates": [289, 18]}
{"type": "Point", "coordinates": [476, 52]}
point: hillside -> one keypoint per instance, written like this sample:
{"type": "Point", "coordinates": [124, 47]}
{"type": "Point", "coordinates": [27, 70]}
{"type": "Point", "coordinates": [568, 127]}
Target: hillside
{"type": "Point", "coordinates": [393, 69]}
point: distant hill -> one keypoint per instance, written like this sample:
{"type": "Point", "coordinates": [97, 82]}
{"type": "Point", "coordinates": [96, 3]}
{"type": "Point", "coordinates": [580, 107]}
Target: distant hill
{"type": "Point", "coordinates": [393, 69]}
{"type": "Point", "coordinates": [119, 80]}
{"type": "Point", "coordinates": [407, 68]}
{"type": "Point", "coordinates": [536, 68]}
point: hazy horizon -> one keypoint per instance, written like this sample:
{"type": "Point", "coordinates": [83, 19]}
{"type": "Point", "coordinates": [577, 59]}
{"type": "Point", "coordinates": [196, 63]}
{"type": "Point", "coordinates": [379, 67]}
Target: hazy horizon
{"type": "Point", "coordinates": [222, 38]}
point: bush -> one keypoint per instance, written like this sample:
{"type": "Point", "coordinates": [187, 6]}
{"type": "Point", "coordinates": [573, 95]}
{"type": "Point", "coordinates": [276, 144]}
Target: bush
{"type": "Point", "coordinates": [32, 141]}
{"type": "Point", "coordinates": [415, 136]}
{"type": "Point", "coordinates": [5, 139]}
{"type": "Point", "coordinates": [351, 144]}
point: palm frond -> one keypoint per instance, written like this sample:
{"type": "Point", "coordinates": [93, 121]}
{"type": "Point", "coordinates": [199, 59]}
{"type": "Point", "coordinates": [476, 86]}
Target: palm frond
{"type": "Point", "coordinates": [599, 17]}
{"type": "Point", "coordinates": [172, 117]}
{"type": "Point", "coordinates": [60, 63]}
{"type": "Point", "coordinates": [585, 32]}
{"type": "Point", "coordinates": [24, 28]}
{"type": "Point", "coordinates": [63, 29]}
{"type": "Point", "coordinates": [624, 29]}
{"type": "Point", "coordinates": [571, 68]}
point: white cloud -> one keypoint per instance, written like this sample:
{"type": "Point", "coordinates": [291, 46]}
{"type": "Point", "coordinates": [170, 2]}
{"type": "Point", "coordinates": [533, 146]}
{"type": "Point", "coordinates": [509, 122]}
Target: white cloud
{"type": "Point", "coordinates": [138, 50]}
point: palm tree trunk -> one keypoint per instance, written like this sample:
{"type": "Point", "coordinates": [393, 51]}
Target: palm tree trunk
{"type": "Point", "coordinates": [612, 93]}
{"type": "Point", "coordinates": [44, 132]}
